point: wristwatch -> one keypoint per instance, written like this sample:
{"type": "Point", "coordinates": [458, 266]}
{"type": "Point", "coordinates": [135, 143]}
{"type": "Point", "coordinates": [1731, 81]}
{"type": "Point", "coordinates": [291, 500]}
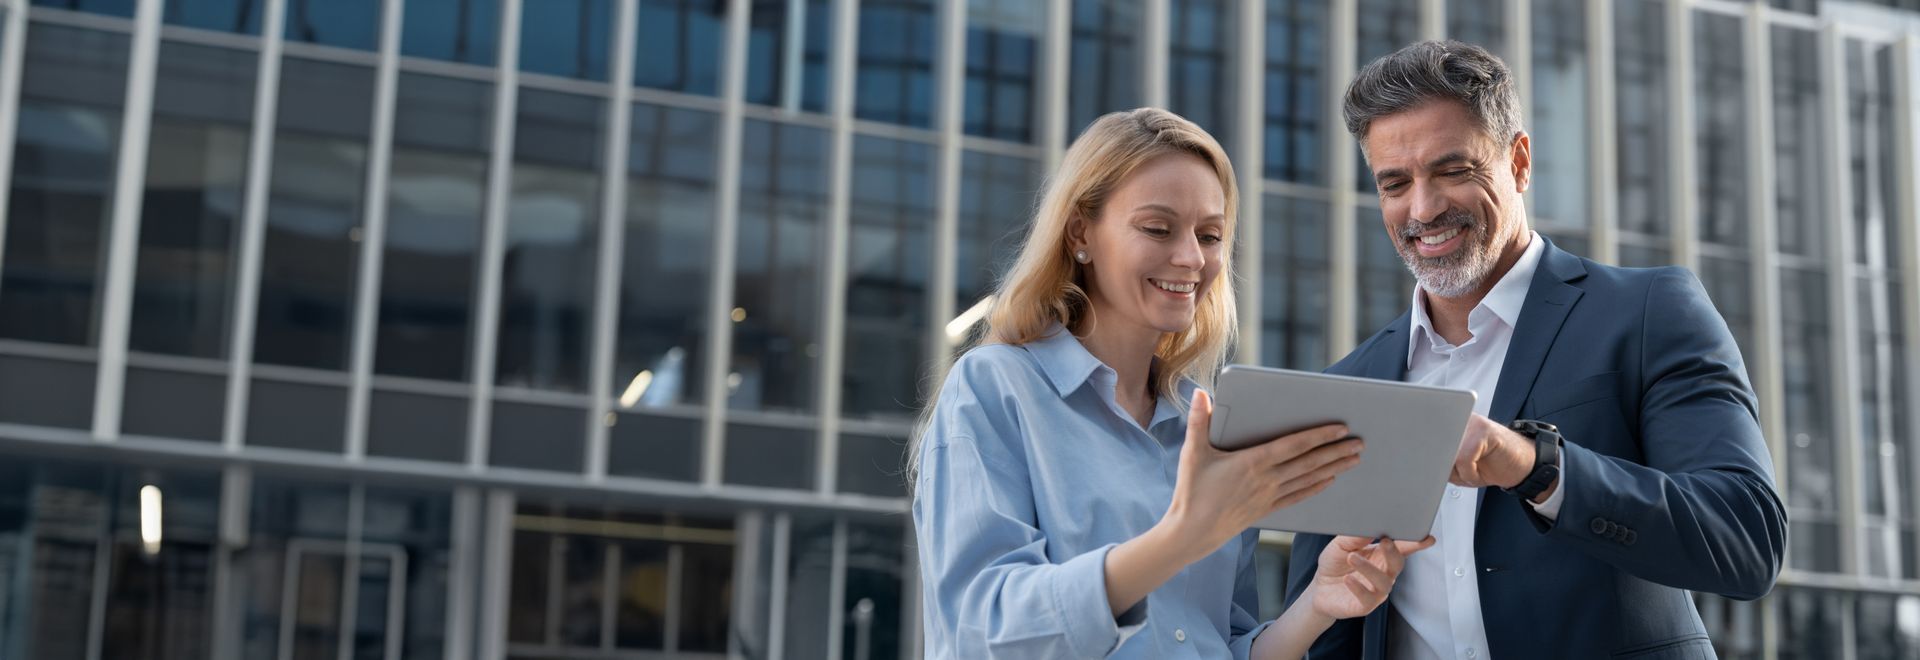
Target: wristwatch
{"type": "Point", "coordinates": [1546, 457]}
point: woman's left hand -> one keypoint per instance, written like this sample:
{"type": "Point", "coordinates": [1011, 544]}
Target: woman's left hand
{"type": "Point", "coordinates": [1356, 574]}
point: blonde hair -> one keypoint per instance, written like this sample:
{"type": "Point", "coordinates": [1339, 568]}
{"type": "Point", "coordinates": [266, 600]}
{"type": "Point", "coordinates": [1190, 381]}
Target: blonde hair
{"type": "Point", "coordinates": [1046, 285]}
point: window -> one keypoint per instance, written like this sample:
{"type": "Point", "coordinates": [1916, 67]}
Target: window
{"type": "Point", "coordinates": [679, 43]}
{"type": "Point", "coordinates": [547, 279]}
{"type": "Point", "coordinates": [1560, 121]}
{"type": "Point", "coordinates": [1003, 51]}
{"type": "Point", "coordinates": [667, 263]}
{"type": "Point", "coordinates": [341, 23]}
{"type": "Point", "coordinates": [453, 30]}
{"type": "Point", "coordinates": [1641, 108]}
{"type": "Point", "coordinates": [783, 206]}
{"type": "Point", "coordinates": [567, 38]}
{"type": "Point", "coordinates": [1294, 285]}
{"type": "Point", "coordinates": [1385, 286]}
{"type": "Point", "coordinates": [1480, 22]}
{"type": "Point", "coordinates": [1201, 84]}
{"type": "Point", "coordinates": [237, 16]}
{"type": "Point", "coordinates": [997, 198]}
{"type": "Point", "coordinates": [1389, 26]}
{"type": "Point", "coordinates": [895, 79]}
{"type": "Point", "coordinates": [1106, 61]}
{"type": "Point", "coordinates": [889, 248]}
{"type": "Point", "coordinates": [775, 76]}
{"type": "Point", "coordinates": [1296, 94]}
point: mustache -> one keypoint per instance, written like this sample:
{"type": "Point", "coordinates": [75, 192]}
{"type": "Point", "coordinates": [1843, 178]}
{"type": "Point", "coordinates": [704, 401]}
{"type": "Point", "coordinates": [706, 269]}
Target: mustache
{"type": "Point", "coordinates": [1448, 220]}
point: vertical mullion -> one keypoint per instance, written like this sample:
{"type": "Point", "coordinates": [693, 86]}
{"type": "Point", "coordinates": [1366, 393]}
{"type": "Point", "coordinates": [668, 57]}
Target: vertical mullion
{"type": "Point", "coordinates": [14, 27]}
{"type": "Point", "coordinates": [613, 224]}
{"type": "Point", "coordinates": [1343, 261]}
{"type": "Point", "coordinates": [1906, 68]}
{"type": "Point", "coordinates": [1155, 33]}
{"type": "Point", "coordinates": [777, 586]}
{"type": "Point", "coordinates": [913, 641]}
{"type": "Point", "coordinates": [726, 227]}
{"type": "Point", "coordinates": [793, 61]}
{"type": "Point", "coordinates": [461, 571]}
{"type": "Point", "coordinates": [350, 575]}
{"type": "Point", "coordinates": [253, 224]}
{"type": "Point", "coordinates": [493, 236]}
{"type": "Point", "coordinates": [1056, 61]}
{"type": "Point", "coordinates": [1433, 19]}
{"type": "Point", "coordinates": [97, 590]}
{"type": "Point", "coordinates": [497, 574]}
{"type": "Point", "coordinates": [1603, 198]}
{"type": "Point", "coordinates": [676, 566]}
{"type": "Point", "coordinates": [235, 499]}
{"type": "Point", "coordinates": [1767, 370]}
{"type": "Point", "coordinates": [837, 591]}
{"type": "Point", "coordinates": [610, 594]}
{"type": "Point", "coordinates": [372, 247]}
{"type": "Point", "coordinates": [1685, 236]}
{"type": "Point", "coordinates": [749, 526]}
{"type": "Point", "coordinates": [123, 237]}
{"type": "Point", "coordinates": [1520, 62]}
{"type": "Point", "coordinates": [1845, 395]}
{"type": "Point", "coordinates": [833, 320]}
{"type": "Point", "coordinates": [1250, 113]}
{"type": "Point", "coordinates": [950, 77]}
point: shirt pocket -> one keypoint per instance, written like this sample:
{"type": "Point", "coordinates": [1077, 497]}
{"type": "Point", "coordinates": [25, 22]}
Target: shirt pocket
{"type": "Point", "coordinates": [1586, 390]}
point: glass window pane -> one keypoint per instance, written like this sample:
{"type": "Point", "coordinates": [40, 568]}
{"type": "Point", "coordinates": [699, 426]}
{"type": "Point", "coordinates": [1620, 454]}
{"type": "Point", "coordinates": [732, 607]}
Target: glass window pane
{"type": "Point", "coordinates": [1106, 61]}
{"type": "Point", "coordinates": [546, 298]}
{"type": "Point", "coordinates": [895, 80]}
{"type": "Point", "coordinates": [1389, 26]}
{"type": "Point", "coordinates": [1482, 23]}
{"type": "Point", "coordinates": [570, 38]}
{"type": "Point", "coordinates": [452, 30]}
{"type": "Point", "coordinates": [809, 589]}
{"type": "Point", "coordinates": [875, 573]}
{"type": "Point", "coordinates": [1386, 286]}
{"type": "Point", "coordinates": [787, 46]}
{"type": "Point", "coordinates": [870, 464]}
{"type": "Point", "coordinates": [1730, 286]}
{"type": "Point", "coordinates": [1003, 46]}
{"type": "Point", "coordinates": [1560, 120]}
{"type": "Point", "coordinates": [1798, 196]}
{"type": "Point", "coordinates": [783, 203]}
{"type": "Point", "coordinates": [679, 45]}
{"type": "Point", "coordinates": [423, 427]}
{"type": "Point", "coordinates": [1720, 128]}
{"type": "Point", "coordinates": [888, 249]}
{"type": "Point", "coordinates": [1812, 488]}
{"type": "Point", "coordinates": [532, 571]}
{"type": "Point", "coordinates": [196, 173]}
{"type": "Point", "coordinates": [342, 23]}
{"type": "Point", "coordinates": [1201, 78]}
{"type": "Point", "coordinates": [1871, 152]}
{"type": "Point", "coordinates": [640, 592]}
{"type": "Point", "coordinates": [706, 613]}
{"type": "Point", "coordinates": [314, 206]}
{"type": "Point", "coordinates": [237, 16]}
{"type": "Point", "coordinates": [997, 196]}
{"type": "Point", "coordinates": [436, 201]}
{"type": "Point", "coordinates": [1293, 284]}
{"type": "Point", "coordinates": [1640, 66]}
{"type": "Point", "coordinates": [68, 135]}
{"type": "Point", "coordinates": [122, 8]}
{"type": "Point", "coordinates": [1886, 626]}
{"type": "Point", "coordinates": [668, 257]}
{"type": "Point", "coordinates": [1296, 94]}
{"type": "Point", "coordinates": [1809, 624]}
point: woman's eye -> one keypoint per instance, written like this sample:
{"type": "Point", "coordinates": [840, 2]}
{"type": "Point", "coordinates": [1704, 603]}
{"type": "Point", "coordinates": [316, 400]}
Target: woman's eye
{"type": "Point", "coordinates": [1209, 239]}
{"type": "Point", "coordinates": [1155, 231]}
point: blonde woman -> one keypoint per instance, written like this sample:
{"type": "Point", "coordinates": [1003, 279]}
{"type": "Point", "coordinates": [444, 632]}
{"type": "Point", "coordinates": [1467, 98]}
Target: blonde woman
{"type": "Point", "coordinates": [1066, 499]}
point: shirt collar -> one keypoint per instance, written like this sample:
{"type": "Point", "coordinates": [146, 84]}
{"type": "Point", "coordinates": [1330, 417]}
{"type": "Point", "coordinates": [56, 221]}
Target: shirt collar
{"type": "Point", "coordinates": [1503, 302]}
{"type": "Point", "coordinates": [1068, 366]}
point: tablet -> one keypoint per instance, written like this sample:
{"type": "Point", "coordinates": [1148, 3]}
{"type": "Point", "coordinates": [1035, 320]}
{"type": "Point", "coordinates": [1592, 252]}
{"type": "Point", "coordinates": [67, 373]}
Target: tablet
{"type": "Point", "coordinates": [1412, 434]}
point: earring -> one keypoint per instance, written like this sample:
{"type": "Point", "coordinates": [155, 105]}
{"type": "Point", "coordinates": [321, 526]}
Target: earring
{"type": "Point", "coordinates": [1082, 257]}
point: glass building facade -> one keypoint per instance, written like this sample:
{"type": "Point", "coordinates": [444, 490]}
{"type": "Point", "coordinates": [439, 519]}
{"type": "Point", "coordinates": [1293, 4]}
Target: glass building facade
{"type": "Point", "coordinates": [595, 328]}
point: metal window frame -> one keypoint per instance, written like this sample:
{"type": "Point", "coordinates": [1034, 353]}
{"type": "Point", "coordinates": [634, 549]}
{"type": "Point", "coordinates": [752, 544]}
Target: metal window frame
{"type": "Point", "coordinates": [833, 322]}
{"type": "Point", "coordinates": [1343, 259]}
{"type": "Point", "coordinates": [1840, 292]}
{"type": "Point", "coordinates": [123, 229]}
{"type": "Point", "coordinates": [1249, 117]}
{"type": "Point", "coordinates": [726, 227]}
{"type": "Point", "coordinates": [613, 224]}
{"type": "Point", "coordinates": [373, 231]}
{"type": "Point", "coordinates": [13, 29]}
{"type": "Point", "coordinates": [486, 319]}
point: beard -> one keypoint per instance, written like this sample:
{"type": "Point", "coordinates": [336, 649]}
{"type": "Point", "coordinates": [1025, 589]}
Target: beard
{"type": "Point", "coordinates": [1455, 274]}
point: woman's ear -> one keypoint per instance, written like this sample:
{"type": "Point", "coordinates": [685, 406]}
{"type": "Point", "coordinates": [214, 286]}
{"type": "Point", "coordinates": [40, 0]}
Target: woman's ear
{"type": "Point", "coordinates": [1076, 232]}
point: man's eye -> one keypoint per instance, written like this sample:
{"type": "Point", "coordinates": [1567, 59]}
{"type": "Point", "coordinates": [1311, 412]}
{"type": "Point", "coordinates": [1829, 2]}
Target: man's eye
{"type": "Point", "coordinates": [1394, 186]}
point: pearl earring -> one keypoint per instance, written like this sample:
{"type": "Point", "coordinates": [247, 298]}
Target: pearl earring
{"type": "Point", "coordinates": [1082, 256]}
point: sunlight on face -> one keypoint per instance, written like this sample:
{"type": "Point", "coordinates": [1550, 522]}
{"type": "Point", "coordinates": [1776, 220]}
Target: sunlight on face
{"type": "Point", "coordinates": [1157, 245]}
{"type": "Point", "coordinates": [1449, 194]}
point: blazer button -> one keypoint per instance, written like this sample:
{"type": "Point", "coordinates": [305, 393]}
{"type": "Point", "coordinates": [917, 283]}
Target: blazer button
{"type": "Point", "coordinates": [1599, 526]}
{"type": "Point", "coordinates": [1629, 537]}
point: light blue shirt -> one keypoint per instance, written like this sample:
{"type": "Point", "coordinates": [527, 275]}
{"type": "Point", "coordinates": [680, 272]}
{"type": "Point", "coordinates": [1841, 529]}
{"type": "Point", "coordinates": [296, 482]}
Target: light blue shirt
{"type": "Point", "coordinates": [1029, 473]}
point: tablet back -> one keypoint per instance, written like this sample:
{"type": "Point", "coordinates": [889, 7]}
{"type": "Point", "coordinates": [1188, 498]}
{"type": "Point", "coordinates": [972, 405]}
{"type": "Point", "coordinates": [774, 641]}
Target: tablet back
{"type": "Point", "coordinates": [1412, 434]}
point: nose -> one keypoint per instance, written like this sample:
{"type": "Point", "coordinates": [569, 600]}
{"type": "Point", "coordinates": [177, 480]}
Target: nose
{"type": "Point", "coordinates": [1427, 204]}
{"type": "Point", "coordinates": [1187, 254]}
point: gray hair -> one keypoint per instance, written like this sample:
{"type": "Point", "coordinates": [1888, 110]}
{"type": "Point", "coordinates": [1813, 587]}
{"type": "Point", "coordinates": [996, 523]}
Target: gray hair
{"type": "Point", "coordinates": [1445, 70]}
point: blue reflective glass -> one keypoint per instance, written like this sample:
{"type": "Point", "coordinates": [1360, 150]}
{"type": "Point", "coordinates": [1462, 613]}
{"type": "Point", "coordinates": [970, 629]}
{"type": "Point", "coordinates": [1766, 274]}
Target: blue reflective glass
{"type": "Point", "coordinates": [569, 38]}
{"type": "Point", "coordinates": [888, 249]}
{"type": "Point", "coordinates": [1799, 194]}
{"type": "Point", "coordinates": [1294, 283]}
{"type": "Point", "coordinates": [546, 296]}
{"type": "Point", "coordinates": [1386, 288]}
{"type": "Point", "coordinates": [1640, 64]}
{"type": "Point", "coordinates": [1106, 60]}
{"type": "Point", "coordinates": [895, 79]}
{"type": "Point", "coordinates": [1387, 26]}
{"type": "Point", "coordinates": [1720, 123]}
{"type": "Point", "coordinates": [452, 30]}
{"type": "Point", "coordinates": [1481, 22]}
{"type": "Point", "coordinates": [1294, 145]}
{"type": "Point", "coordinates": [1003, 42]}
{"type": "Point", "coordinates": [777, 291]}
{"type": "Point", "coordinates": [108, 7]}
{"type": "Point", "coordinates": [1560, 120]}
{"type": "Point", "coordinates": [341, 23]}
{"type": "Point", "coordinates": [679, 45]}
{"type": "Point", "coordinates": [237, 16]}
{"type": "Point", "coordinates": [775, 76]}
{"type": "Point", "coordinates": [670, 214]}
{"type": "Point", "coordinates": [997, 195]}
{"type": "Point", "coordinates": [1200, 81]}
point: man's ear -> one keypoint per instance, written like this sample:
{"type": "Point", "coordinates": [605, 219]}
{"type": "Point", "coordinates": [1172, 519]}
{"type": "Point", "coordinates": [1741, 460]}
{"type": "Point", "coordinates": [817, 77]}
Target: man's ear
{"type": "Point", "coordinates": [1522, 157]}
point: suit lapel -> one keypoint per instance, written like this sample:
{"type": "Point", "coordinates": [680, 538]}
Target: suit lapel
{"type": "Point", "coordinates": [1387, 360]}
{"type": "Point", "coordinates": [1550, 298]}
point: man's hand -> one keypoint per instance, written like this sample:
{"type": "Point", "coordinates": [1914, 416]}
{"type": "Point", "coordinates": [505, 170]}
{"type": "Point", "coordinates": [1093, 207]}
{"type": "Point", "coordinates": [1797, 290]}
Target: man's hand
{"type": "Point", "coordinates": [1493, 455]}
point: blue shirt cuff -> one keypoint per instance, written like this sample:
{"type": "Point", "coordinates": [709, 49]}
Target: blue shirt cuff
{"type": "Point", "coordinates": [1080, 596]}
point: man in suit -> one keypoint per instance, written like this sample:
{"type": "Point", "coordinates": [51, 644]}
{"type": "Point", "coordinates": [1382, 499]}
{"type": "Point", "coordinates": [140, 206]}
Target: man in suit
{"type": "Point", "coordinates": [1617, 463]}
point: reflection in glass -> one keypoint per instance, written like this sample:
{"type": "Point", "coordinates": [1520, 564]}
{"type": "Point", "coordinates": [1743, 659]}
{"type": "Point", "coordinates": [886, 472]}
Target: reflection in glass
{"type": "Point", "coordinates": [1106, 61]}
{"type": "Point", "coordinates": [342, 23]}
{"type": "Point", "coordinates": [568, 38]}
{"type": "Point", "coordinates": [72, 82]}
{"type": "Point", "coordinates": [888, 252]}
{"type": "Point", "coordinates": [678, 46]}
{"type": "Point", "coordinates": [1295, 89]}
{"type": "Point", "coordinates": [809, 589]}
{"type": "Point", "coordinates": [1720, 129]}
{"type": "Point", "coordinates": [1811, 486]}
{"type": "Point", "coordinates": [640, 594]}
{"type": "Point", "coordinates": [1003, 42]}
{"type": "Point", "coordinates": [1730, 286]}
{"type": "Point", "coordinates": [196, 173]}
{"type": "Point", "coordinates": [122, 8]}
{"type": "Point", "coordinates": [453, 30]}
{"type": "Point", "coordinates": [1200, 72]}
{"type": "Point", "coordinates": [775, 76]}
{"type": "Point", "coordinates": [1479, 22]}
{"type": "Point", "coordinates": [313, 215]}
{"type": "Point", "coordinates": [665, 270]}
{"type": "Point", "coordinates": [706, 609]}
{"type": "Point", "coordinates": [1871, 153]}
{"type": "Point", "coordinates": [875, 572]}
{"type": "Point", "coordinates": [547, 280]}
{"type": "Point", "coordinates": [783, 201]}
{"type": "Point", "coordinates": [1386, 287]}
{"type": "Point", "coordinates": [236, 16]}
{"type": "Point", "coordinates": [1886, 626]}
{"type": "Point", "coordinates": [997, 196]}
{"type": "Point", "coordinates": [1294, 287]}
{"type": "Point", "coordinates": [895, 79]}
{"type": "Point", "coordinates": [435, 204]}
{"type": "Point", "coordinates": [1798, 197]}
{"type": "Point", "coordinates": [1559, 135]}
{"type": "Point", "coordinates": [1640, 66]}
{"type": "Point", "coordinates": [1810, 623]}
{"type": "Point", "coordinates": [1389, 26]}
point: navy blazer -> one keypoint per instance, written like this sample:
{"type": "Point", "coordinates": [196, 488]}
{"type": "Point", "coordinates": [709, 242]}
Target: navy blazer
{"type": "Point", "coordinates": [1669, 484]}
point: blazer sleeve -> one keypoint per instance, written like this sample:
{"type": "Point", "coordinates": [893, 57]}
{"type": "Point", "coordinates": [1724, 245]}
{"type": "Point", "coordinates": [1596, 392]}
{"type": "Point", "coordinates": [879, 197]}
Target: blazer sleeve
{"type": "Point", "coordinates": [1701, 513]}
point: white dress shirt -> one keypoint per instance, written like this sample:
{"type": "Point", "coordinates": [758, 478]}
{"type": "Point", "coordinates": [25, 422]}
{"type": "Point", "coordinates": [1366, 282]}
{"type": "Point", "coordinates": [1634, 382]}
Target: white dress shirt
{"type": "Point", "coordinates": [1436, 602]}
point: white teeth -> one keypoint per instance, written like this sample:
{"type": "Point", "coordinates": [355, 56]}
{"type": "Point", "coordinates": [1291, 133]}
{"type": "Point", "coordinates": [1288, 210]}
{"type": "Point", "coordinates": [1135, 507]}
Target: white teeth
{"type": "Point", "coordinates": [1183, 287]}
{"type": "Point", "coordinates": [1442, 237]}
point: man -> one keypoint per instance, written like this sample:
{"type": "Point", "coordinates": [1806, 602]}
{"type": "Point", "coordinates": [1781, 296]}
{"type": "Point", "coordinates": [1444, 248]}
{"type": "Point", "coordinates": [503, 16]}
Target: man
{"type": "Point", "coordinates": [1614, 462]}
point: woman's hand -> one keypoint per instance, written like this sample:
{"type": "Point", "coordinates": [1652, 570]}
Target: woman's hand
{"type": "Point", "coordinates": [1357, 573]}
{"type": "Point", "coordinates": [1220, 493]}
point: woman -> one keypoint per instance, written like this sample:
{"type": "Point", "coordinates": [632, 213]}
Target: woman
{"type": "Point", "coordinates": [1067, 502]}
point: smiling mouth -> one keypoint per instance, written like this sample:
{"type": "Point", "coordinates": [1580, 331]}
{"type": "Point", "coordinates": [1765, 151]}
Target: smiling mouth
{"type": "Point", "coordinates": [1175, 287]}
{"type": "Point", "coordinates": [1442, 237]}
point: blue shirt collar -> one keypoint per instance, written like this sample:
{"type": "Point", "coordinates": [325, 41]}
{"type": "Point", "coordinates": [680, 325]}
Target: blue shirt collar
{"type": "Point", "coordinates": [1069, 366]}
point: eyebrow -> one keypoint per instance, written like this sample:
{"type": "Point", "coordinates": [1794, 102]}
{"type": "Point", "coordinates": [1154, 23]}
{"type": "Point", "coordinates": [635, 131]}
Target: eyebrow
{"type": "Point", "coordinates": [1169, 211]}
{"type": "Point", "coordinates": [1450, 158]}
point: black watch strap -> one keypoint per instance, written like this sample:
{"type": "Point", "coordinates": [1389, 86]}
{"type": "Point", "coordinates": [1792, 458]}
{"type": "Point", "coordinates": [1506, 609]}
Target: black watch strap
{"type": "Point", "coordinates": [1546, 457]}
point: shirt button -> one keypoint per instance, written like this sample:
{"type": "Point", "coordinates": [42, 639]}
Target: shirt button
{"type": "Point", "coordinates": [1471, 653]}
{"type": "Point", "coordinates": [1453, 493]}
{"type": "Point", "coordinates": [1459, 572]}
{"type": "Point", "coordinates": [1180, 635]}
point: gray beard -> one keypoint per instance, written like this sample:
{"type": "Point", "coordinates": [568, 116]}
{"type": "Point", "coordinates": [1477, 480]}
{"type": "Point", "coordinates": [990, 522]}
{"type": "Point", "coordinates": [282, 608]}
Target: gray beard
{"type": "Point", "coordinates": [1452, 275]}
